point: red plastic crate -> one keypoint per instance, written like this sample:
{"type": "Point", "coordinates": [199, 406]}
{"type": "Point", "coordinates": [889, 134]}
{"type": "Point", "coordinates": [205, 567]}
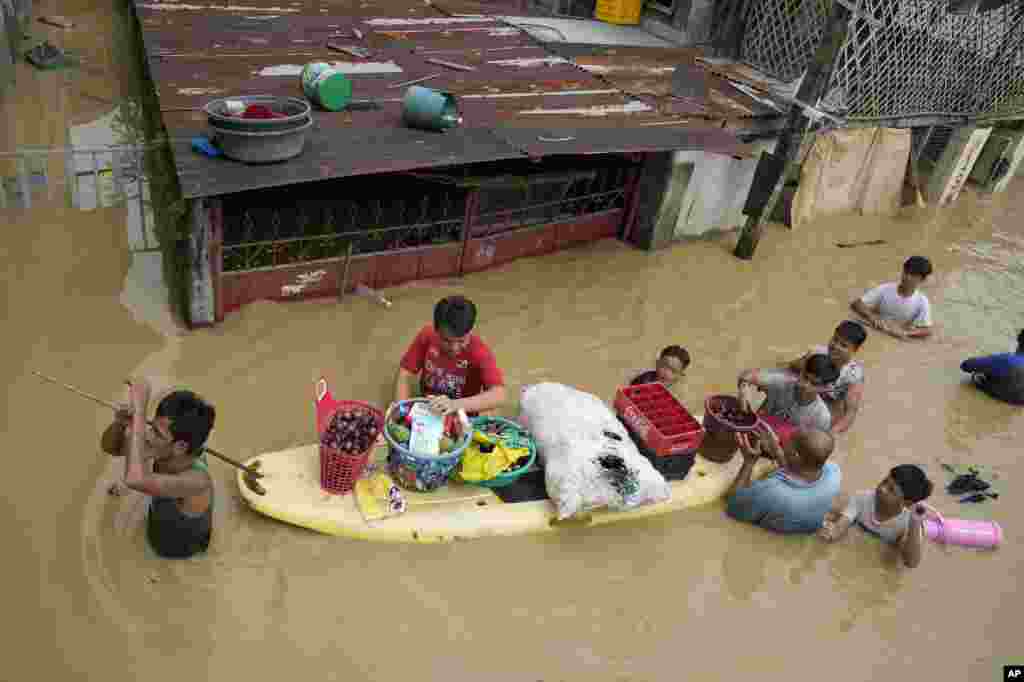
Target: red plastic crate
{"type": "Point", "coordinates": [659, 419]}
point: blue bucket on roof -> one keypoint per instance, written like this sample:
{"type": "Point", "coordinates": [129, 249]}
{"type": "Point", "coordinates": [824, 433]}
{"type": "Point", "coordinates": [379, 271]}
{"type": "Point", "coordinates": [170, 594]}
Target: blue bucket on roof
{"type": "Point", "coordinates": [430, 109]}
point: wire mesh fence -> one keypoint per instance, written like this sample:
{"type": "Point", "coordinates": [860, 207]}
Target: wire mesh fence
{"type": "Point", "coordinates": [901, 58]}
{"type": "Point", "coordinates": [86, 178]}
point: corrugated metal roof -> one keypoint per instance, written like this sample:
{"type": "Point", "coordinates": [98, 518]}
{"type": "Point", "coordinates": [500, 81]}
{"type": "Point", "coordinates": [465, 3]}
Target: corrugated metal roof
{"type": "Point", "coordinates": [341, 153]}
{"type": "Point", "coordinates": [651, 71]}
{"type": "Point", "coordinates": [519, 96]}
{"type": "Point", "coordinates": [680, 135]}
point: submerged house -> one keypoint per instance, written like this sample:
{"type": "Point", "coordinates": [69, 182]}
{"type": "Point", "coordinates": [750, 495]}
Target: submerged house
{"type": "Point", "coordinates": [602, 132]}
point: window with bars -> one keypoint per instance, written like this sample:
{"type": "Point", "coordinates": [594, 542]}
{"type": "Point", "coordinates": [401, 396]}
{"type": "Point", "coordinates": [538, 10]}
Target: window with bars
{"type": "Point", "coordinates": [319, 220]}
{"type": "Point", "coordinates": [377, 214]}
{"type": "Point", "coordinates": [549, 198]}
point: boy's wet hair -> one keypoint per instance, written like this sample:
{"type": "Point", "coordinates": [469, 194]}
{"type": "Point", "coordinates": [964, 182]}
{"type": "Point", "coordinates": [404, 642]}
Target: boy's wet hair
{"type": "Point", "coordinates": [191, 418]}
{"type": "Point", "coordinates": [677, 352]}
{"type": "Point", "coordinates": [454, 316]}
{"type": "Point", "coordinates": [823, 368]}
{"type": "Point", "coordinates": [852, 331]}
{"type": "Point", "coordinates": [918, 265]}
{"type": "Point", "coordinates": [912, 481]}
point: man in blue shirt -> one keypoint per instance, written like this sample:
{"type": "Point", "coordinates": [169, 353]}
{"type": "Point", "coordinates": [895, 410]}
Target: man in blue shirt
{"type": "Point", "coordinates": [794, 498]}
{"type": "Point", "coordinates": [1000, 375]}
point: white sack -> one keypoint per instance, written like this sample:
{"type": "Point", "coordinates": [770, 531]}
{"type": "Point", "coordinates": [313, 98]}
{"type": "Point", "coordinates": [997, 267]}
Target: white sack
{"type": "Point", "coordinates": [585, 469]}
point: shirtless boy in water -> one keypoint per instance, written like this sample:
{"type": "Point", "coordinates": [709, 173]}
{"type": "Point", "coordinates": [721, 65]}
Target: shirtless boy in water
{"type": "Point", "coordinates": [164, 460]}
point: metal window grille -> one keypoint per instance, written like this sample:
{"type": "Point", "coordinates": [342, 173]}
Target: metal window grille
{"type": "Point", "coordinates": [288, 226]}
{"type": "Point", "coordinates": [900, 58]}
{"type": "Point", "coordinates": [551, 198]}
{"type": "Point", "coordinates": [275, 228]}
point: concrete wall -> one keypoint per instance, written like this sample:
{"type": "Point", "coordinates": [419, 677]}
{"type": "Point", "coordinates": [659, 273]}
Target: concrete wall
{"type": "Point", "coordinates": [586, 32]}
{"type": "Point", "coordinates": [690, 26]}
{"type": "Point", "coordinates": [715, 192]}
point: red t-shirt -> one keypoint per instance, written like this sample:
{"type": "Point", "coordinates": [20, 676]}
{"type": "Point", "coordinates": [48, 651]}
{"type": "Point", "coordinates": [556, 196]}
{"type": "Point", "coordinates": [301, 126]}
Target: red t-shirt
{"type": "Point", "coordinates": [469, 373]}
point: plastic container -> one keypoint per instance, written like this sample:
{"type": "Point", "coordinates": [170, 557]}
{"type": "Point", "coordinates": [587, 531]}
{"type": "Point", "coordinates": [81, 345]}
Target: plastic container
{"type": "Point", "coordinates": [325, 86]}
{"type": "Point", "coordinates": [430, 109]}
{"type": "Point", "coordinates": [234, 107]}
{"type": "Point", "coordinates": [415, 472]}
{"type": "Point", "coordinates": [506, 477]}
{"type": "Point", "coordinates": [658, 420]}
{"type": "Point", "coordinates": [339, 470]}
{"type": "Point", "coordinates": [671, 467]}
{"type": "Point", "coordinates": [619, 11]}
{"type": "Point", "coordinates": [963, 532]}
{"type": "Point", "coordinates": [714, 422]}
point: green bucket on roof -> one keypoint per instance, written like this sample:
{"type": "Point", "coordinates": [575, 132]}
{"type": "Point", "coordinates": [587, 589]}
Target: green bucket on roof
{"type": "Point", "coordinates": [325, 86]}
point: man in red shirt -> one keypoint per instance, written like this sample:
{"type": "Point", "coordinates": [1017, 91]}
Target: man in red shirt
{"type": "Point", "coordinates": [453, 366]}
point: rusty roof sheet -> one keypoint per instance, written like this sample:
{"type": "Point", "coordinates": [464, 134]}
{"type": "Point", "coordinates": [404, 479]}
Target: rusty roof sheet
{"type": "Point", "coordinates": [652, 71]}
{"type": "Point", "coordinates": [754, 83]}
{"type": "Point", "coordinates": [517, 8]}
{"type": "Point", "coordinates": [341, 153]}
{"type": "Point", "coordinates": [520, 98]}
{"type": "Point", "coordinates": [284, 8]}
{"type": "Point", "coordinates": [678, 136]}
{"type": "Point", "coordinates": [509, 80]}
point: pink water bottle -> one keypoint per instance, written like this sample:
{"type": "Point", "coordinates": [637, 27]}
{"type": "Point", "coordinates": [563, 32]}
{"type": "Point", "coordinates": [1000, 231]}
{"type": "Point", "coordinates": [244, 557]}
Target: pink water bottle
{"type": "Point", "coordinates": [963, 532]}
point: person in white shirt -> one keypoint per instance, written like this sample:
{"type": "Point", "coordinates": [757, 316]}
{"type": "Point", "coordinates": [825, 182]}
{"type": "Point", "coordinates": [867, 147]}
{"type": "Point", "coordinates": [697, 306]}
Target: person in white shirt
{"type": "Point", "coordinates": [899, 308]}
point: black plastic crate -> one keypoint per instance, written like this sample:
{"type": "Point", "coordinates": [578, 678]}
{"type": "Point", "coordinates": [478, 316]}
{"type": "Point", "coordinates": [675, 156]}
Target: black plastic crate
{"type": "Point", "coordinates": [672, 467]}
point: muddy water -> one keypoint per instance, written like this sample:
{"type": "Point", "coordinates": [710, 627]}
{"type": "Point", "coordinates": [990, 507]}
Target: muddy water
{"type": "Point", "coordinates": [691, 593]}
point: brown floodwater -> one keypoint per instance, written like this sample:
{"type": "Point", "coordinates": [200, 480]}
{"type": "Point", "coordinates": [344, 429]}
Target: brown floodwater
{"type": "Point", "coordinates": [690, 594]}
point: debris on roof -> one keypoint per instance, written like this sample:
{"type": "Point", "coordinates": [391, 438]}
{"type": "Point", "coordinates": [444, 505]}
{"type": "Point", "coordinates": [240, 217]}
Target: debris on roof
{"type": "Point", "coordinates": [519, 97]}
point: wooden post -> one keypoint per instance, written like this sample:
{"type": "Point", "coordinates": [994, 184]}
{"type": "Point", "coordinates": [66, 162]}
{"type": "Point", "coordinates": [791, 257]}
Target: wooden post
{"type": "Point", "coordinates": [812, 88]}
{"type": "Point", "coordinates": [216, 210]}
{"type": "Point", "coordinates": [472, 204]}
{"type": "Point", "coordinates": [343, 283]}
{"type": "Point", "coordinates": [202, 298]}
{"type": "Point", "coordinates": [632, 203]}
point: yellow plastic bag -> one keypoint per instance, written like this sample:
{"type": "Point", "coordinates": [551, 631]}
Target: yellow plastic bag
{"type": "Point", "coordinates": [483, 466]}
{"type": "Point", "coordinates": [377, 496]}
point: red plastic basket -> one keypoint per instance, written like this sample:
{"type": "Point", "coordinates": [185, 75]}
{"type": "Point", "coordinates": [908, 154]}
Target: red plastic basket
{"type": "Point", "coordinates": [339, 470]}
{"type": "Point", "coordinates": [659, 419]}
